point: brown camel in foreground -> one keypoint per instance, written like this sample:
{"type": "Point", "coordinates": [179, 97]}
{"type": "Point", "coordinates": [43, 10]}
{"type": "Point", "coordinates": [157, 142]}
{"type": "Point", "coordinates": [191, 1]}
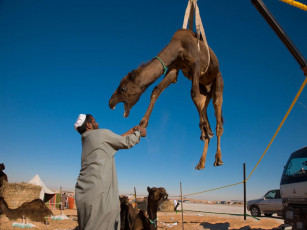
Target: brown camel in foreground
{"type": "Point", "coordinates": [133, 220]}
{"type": "Point", "coordinates": [201, 67]}
{"type": "Point", "coordinates": [3, 176]}
{"type": "Point", "coordinates": [127, 214]}
{"type": "Point", "coordinates": [35, 210]}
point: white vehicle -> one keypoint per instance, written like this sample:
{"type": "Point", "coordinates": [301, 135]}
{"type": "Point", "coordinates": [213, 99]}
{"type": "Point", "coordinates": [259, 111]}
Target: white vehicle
{"type": "Point", "coordinates": [269, 204]}
{"type": "Point", "coordinates": [293, 188]}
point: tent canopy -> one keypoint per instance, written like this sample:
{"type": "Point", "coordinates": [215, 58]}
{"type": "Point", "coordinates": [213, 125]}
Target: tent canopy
{"type": "Point", "coordinates": [45, 194]}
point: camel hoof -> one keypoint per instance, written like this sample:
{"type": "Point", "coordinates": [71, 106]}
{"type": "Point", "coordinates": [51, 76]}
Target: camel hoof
{"type": "Point", "coordinates": [143, 123]}
{"type": "Point", "coordinates": [199, 167]}
{"type": "Point", "coordinates": [220, 163]}
{"type": "Point", "coordinates": [210, 135]}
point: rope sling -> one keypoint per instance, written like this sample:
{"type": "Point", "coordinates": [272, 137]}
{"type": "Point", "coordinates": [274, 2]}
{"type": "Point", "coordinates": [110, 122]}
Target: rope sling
{"type": "Point", "coordinates": [192, 9]}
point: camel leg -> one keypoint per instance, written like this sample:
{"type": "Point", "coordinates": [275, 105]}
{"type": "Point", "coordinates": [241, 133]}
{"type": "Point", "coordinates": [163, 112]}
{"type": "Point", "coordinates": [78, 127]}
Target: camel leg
{"type": "Point", "coordinates": [202, 160]}
{"type": "Point", "coordinates": [198, 100]}
{"type": "Point", "coordinates": [217, 103]}
{"type": "Point", "coordinates": [205, 126]}
{"type": "Point", "coordinates": [170, 77]}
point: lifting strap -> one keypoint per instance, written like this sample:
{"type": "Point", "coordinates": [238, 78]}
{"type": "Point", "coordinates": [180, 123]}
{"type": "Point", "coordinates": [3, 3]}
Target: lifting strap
{"type": "Point", "coordinates": [189, 15]}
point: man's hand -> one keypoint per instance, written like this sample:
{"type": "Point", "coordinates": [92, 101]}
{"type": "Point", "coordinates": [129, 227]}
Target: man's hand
{"type": "Point", "coordinates": [141, 129]}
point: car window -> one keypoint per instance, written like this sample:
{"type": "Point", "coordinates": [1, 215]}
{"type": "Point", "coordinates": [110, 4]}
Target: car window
{"type": "Point", "coordinates": [270, 195]}
{"type": "Point", "coordinates": [297, 167]}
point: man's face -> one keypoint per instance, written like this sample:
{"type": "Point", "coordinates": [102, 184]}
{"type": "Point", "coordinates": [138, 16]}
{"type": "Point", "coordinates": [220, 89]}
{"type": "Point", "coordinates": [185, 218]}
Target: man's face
{"type": "Point", "coordinates": [95, 124]}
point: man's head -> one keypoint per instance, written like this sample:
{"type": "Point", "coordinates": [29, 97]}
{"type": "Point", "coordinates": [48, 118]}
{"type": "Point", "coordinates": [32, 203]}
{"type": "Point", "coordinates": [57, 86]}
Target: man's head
{"type": "Point", "coordinates": [85, 123]}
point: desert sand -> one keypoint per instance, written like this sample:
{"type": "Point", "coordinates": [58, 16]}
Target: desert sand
{"type": "Point", "coordinates": [171, 220]}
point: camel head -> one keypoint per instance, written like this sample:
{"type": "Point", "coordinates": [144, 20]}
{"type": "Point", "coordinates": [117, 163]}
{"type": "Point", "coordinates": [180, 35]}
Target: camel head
{"type": "Point", "coordinates": [129, 91]}
{"type": "Point", "coordinates": [2, 167]}
{"type": "Point", "coordinates": [124, 200]}
{"type": "Point", "coordinates": [157, 194]}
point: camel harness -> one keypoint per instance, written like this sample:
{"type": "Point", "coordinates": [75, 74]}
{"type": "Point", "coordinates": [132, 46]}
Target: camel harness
{"type": "Point", "coordinates": [164, 67]}
{"type": "Point", "coordinates": [154, 222]}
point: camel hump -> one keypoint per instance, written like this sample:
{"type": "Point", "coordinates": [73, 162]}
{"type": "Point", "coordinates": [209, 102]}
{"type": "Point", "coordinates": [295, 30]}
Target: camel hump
{"type": "Point", "coordinates": [37, 204]}
{"type": "Point", "coordinates": [182, 33]}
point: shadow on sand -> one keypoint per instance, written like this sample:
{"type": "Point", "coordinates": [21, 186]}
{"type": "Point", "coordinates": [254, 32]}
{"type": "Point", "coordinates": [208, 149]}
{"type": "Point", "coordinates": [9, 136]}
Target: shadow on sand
{"type": "Point", "coordinates": [219, 226]}
{"type": "Point", "coordinates": [225, 226]}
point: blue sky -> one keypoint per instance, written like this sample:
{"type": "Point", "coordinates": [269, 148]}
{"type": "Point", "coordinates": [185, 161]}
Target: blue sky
{"type": "Point", "coordinates": [62, 58]}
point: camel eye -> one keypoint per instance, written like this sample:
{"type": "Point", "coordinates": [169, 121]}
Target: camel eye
{"type": "Point", "coordinates": [123, 90]}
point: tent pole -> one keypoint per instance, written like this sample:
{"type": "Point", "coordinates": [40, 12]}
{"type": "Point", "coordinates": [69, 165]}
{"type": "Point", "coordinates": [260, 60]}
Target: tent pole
{"type": "Point", "coordinates": [61, 206]}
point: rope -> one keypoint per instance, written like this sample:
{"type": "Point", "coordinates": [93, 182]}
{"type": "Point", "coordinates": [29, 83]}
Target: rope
{"type": "Point", "coordinates": [187, 17]}
{"type": "Point", "coordinates": [189, 14]}
{"type": "Point", "coordinates": [295, 4]}
{"type": "Point", "coordinates": [214, 189]}
{"type": "Point", "coordinates": [281, 124]}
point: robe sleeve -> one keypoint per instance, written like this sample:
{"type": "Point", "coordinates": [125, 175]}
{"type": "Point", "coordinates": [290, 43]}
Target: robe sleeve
{"type": "Point", "coordinates": [119, 142]}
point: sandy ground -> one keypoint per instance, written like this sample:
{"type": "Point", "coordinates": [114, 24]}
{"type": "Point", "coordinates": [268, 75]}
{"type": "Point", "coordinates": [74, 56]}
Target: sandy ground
{"type": "Point", "coordinates": [173, 221]}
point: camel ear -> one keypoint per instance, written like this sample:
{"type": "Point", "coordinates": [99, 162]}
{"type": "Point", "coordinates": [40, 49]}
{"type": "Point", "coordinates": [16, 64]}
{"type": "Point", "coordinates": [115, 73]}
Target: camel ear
{"type": "Point", "coordinates": [132, 75]}
{"type": "Point", "coordinates": [148, 189]}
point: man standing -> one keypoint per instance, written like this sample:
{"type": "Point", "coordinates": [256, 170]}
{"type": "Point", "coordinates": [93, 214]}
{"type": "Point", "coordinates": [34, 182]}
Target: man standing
{"type": "Point", "coordinates": [63, 201]}
{"type": "Point", "coordinates": [97, 195]}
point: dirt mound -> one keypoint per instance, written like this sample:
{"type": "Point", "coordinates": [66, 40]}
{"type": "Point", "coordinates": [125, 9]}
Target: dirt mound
{"type": "Point", "coordinates": [15, 194]}
{"type": "Point", "coordinates": [166, 206]}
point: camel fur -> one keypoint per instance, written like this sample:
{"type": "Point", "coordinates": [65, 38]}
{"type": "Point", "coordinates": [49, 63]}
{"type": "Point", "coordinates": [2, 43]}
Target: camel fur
{"type": "Point", "coordinates": [128, 214]}
{"type": "Point", "coordinates": [134, 220]}
{"type": "Point", "coordinates": [35, 210]}
{"type": "Point", "coordinates": [3, 176]}
{"type": "Point", "coordinates": [199, 66]}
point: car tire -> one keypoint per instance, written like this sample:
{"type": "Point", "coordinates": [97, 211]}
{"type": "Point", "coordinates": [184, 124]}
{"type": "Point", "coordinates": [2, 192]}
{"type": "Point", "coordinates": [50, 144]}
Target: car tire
{"type": "Point", "coordinates": [255, 211]}
{"type": "Point", "coordinates": [268, 214]}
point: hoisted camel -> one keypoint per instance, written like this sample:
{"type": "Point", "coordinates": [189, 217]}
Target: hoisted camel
{"type": "Point", "coordinates": [199, 66]}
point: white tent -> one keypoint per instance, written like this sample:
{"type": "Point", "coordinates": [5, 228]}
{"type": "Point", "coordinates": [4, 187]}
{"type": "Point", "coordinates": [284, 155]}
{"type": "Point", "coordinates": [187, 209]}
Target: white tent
{"type": "Point", "coordinates": [36, 180]}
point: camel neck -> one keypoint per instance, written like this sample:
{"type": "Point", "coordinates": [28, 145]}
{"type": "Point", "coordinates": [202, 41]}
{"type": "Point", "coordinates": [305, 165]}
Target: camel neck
{"type": "Point", "coordinates": [10, 213]}
{"type": "Point", "coordinates": [151, 72]}
{"type": "Point", "coordinates": [3, 205]}
{"type": "Point", "coordinates": [152, 213]}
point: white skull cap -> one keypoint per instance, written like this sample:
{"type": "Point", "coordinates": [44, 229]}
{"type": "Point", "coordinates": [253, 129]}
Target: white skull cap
{"type": "Point", "coordinates": [80, 121]}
